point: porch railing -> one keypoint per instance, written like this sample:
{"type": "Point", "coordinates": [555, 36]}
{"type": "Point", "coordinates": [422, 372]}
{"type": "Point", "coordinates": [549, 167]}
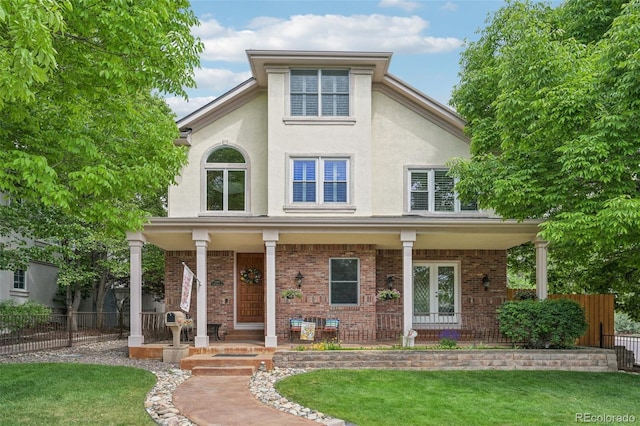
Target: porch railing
{"type": "Point", "coordinates": [25, 333]}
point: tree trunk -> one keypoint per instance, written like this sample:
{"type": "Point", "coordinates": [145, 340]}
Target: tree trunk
{"type": "Point", "coordinates": [101, 293]}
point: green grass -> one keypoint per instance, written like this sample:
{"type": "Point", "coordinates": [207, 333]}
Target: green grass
{"type": "Point", "coordinates": [73, 394]}
{"type": "Point", "coordinates": [376, 397]}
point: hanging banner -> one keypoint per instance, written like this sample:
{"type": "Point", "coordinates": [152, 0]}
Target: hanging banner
{"type": "Point", "coordinates": [187, 281]}
{"type": "Point", "coordinates": [308, 330]}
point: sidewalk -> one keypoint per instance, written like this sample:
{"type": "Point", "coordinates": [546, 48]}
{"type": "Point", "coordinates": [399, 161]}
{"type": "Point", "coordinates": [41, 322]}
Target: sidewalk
{"type": "Point", "coordinates": [227, 401]}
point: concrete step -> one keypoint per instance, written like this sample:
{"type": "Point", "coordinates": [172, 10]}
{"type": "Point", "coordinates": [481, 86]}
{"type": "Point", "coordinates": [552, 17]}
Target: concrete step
{"type": "Point", "coordinates": [244, 335]}
{"type": "Point", "coordinates": [222, 371]}
{"type": "Point", "coordinates": [223, 360]}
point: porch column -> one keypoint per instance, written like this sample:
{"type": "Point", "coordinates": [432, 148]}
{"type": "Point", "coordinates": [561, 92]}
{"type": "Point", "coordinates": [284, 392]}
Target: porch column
{"type": "Point", "coordinates": [136, 241]}
{"type": "Point", "coordinates": [407, 238]}
{"type": "Point", "coordinates": [270, 238]}
{"type": "Point", "coordinates": [541, 269]}
{"type": "Point", "coordinates": [201, 238]}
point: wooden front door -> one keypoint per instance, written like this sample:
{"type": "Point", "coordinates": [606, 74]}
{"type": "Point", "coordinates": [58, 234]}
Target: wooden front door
{"type": "Point", "coordinates": [250, 294]}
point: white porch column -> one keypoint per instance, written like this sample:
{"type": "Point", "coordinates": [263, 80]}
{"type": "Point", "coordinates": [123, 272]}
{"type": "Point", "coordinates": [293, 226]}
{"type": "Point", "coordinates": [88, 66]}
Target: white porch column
{"type": "Point", "coordinates": [201, 238]}
{"type": "Point", "coordinates": [136, 241]}
{"type": "Point", "coordinates": [407, 238]}
{"type": "Point", "coordinates": [541, 269]}
{"type": "Point", "coordinates": [270, 237]}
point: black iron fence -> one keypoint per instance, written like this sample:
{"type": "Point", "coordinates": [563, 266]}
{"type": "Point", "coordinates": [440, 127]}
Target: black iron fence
{"type": "Point", "coordinates": [26, 333]}
{"type": "Point", "coordinates": [627, 349]}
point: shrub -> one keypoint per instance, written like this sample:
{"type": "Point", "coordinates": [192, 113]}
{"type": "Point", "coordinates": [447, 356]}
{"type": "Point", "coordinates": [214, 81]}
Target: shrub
{"type": "Point", "coordinates": [16, 316]}
{"type": "Point", "coordinates": [449, 339]}
{"type": "Point", "coordinates": [625, 325]}
{"type": "Point", "coordinates": [543, 324]}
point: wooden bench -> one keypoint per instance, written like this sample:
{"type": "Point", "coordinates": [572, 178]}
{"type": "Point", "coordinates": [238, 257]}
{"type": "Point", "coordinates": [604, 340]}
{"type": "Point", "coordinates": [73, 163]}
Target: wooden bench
{"type": "Point", "coordinates": [329, 326]}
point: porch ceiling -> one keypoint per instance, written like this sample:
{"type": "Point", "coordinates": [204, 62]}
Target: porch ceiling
{"type": "Point", "coordinates": [243, 235]}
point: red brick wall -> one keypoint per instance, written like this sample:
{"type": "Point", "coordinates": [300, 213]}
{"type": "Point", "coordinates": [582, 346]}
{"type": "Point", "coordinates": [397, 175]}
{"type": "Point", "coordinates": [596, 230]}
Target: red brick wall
{"type": "Point", "coordinates": [313, 262]}
{"type": "Point", "coordinates": [220, 266]}
{"type": "Point", "coordinates": [477, 304]}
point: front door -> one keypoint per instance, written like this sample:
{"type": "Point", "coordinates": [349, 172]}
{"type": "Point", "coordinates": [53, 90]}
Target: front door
{"type": "Point", "coordinates": [435, 293]}
{"type": "Point", "coordinates": [250, 288]}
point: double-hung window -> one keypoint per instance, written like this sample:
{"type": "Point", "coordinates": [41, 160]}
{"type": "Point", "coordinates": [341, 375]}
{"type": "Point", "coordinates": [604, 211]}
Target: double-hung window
{"type": "Point", "coordinates": [226, 181]}
{"type": "Point", "coordinates": [320, 180]}
{"type": "Point", "coordinates": [319, 93]}
{"type": "Point", "coordinates": [344, 288]}
{"type": "Point", "coordinates": [431, 190]}
{"type": "Point", "coordinates": [19, 282]}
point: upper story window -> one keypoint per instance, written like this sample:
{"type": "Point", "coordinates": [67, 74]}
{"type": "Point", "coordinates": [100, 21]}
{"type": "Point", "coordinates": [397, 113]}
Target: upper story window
{"type": "Point", "coordinates": [19, 282]}
{"type": "Point", "coordinates": [320, 180]}
{"type": "Point", "coordinates": [319, 93]}
{"type": "Point", "coordinates": [431, 190]}
{"type": "Point", "coordinates": [226, 180]}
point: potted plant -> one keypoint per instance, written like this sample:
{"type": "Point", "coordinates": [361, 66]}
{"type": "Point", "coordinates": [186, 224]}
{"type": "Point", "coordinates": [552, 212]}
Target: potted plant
{"type": "Point", "coordinates": [391, 294]}
{"type": "Point", "coordinates": [291, 293]}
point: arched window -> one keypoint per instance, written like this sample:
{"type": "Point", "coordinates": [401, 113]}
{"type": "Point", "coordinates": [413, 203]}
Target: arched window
{"type": "Point", "coordinates": [226, 180]}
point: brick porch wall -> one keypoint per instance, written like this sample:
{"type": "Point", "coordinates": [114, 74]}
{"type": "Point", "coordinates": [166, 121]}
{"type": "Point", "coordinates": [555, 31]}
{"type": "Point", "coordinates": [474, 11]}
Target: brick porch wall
{"type": "Point", "coordinates": [478, 305]}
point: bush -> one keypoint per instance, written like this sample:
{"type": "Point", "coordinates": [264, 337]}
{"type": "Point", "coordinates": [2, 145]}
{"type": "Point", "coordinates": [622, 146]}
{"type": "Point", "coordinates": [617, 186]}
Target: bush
{"type": "Point", "coordinates": [625, 325]}
{"type": "Point", "coordinates": [16, 316]}
{"type": "Point", "coordinates": [543, 324]}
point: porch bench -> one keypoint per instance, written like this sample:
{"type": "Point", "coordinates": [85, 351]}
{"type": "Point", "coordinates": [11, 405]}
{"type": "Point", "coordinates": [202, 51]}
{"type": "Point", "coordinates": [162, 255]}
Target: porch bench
{"type": "Point", "coordinates": [323, 325]}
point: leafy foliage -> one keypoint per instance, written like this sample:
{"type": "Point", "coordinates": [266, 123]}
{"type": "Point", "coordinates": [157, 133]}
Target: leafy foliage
{"type": "Point", "coordinates": [15, 316]}
{"type": "Point", "coordinates": [543, 324]}
{"type": "Point", "coordinates": [551, 100]}
{"type": "Point", "coordinates": [83, 128]}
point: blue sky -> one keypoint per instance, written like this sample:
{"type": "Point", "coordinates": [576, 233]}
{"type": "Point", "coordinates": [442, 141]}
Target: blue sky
{"type": "Point", "coordinates": [426, 38]}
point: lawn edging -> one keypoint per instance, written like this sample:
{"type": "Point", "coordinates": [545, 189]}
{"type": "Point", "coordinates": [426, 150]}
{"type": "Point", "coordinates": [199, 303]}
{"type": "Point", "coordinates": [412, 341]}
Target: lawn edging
{"type": "Point", "coordinates": [581, 359]}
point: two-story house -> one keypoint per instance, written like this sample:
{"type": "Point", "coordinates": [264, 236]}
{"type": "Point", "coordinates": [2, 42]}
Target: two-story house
{"type": "Point", "coordinates": [325, 172]}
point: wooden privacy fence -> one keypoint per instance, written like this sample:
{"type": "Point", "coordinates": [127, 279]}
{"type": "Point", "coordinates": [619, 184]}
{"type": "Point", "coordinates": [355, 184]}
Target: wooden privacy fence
{"type": "Point", "coordinates": [598, 310]}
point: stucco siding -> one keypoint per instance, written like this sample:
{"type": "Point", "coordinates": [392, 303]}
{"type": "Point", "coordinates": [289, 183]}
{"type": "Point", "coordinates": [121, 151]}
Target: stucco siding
{"type": "Point", "coordinates": [401, 138]}
{"type": "Point", "coordinates": [245, 129]}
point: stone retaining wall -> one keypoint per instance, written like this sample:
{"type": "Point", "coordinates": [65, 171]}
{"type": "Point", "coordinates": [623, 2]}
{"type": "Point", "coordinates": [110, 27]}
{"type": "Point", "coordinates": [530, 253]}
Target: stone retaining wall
{"type": "Point", "coordinates": [584, 359]}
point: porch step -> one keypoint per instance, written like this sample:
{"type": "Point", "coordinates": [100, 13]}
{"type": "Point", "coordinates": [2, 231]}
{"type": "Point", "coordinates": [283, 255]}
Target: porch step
{"type": "Point", "coordinates": [222, 371]}
{"type": "Point", "coordinates": [244, 335]}
{"type": "Point", "coordinates": [226, 363]}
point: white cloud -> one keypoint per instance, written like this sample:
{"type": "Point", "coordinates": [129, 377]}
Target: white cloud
{"type": "Point", "coordinates": [403, 4]}
{"type": "Point", "coordinates": [322, 32]}
{"type": "Point", "coordinates": [219, 80]}
{"type": "Point", "coordinates": [183, 108]}
{"type": "Point", "coordinates": [450, 6]}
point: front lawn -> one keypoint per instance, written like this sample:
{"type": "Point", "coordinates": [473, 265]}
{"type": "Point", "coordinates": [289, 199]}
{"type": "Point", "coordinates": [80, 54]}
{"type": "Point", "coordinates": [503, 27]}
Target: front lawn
{"type": "Point", "coordinates": [387, 397]}
{"type": "Point", "coordinates": [73, 394]}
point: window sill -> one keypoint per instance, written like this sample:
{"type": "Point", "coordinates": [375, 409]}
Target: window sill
{"type": "Point", "coordinates": [319, 208]}
{"type": "Point", "coordinates": [224, 214]}
{"type": "Point", "coordinates": [467, 213]}
{"type": "Point", "coordinates": [343, 121]}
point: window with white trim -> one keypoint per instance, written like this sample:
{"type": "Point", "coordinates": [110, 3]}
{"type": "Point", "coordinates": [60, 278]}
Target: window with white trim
{"type": "Point", "coordinates": [330, 98]}
{"type": "Point", "coordinates": [19, 282]}
{"type": "Point", "coordinates": [226, 181]}
{"type": "Point", "coordinates": [344, 281]}
{"type": "Point", "coordinates": [320, 180]}
{"type": "Point", "coordinates": [431, 190]}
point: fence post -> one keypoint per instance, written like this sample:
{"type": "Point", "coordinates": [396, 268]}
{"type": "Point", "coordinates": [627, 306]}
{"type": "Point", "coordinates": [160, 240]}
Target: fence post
{"type": "Point", "coordinates": [70, 326]}
{"type": "Point", "coordinates": [601, 337]}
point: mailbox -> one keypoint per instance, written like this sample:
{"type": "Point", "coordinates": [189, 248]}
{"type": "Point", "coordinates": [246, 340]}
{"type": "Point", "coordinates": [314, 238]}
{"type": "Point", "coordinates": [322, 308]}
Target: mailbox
{"type": "Point", "coordinates": [174, 318]}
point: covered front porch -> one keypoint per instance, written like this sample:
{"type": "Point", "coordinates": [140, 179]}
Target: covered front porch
{"type": "Point", "coordinates": [451, 274]}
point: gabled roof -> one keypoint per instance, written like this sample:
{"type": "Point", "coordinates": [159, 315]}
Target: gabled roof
{"type": "Point", "coordinates": [261, 60]}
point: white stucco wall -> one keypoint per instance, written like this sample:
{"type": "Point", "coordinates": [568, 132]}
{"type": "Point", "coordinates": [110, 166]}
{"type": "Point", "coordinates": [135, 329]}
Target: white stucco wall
{"type": "Point", "coordinates": [401, 139]}
{"type": "Point", "coordinates": [297, 136]}
{"type": "Point", "coordinates": [246, 129]}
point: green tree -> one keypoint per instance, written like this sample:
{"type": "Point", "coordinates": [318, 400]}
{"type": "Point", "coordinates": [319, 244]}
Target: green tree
{"type": "Point", "coordinates": [83, 127]}
{"type": "Point", "coordinates": [551, 100]}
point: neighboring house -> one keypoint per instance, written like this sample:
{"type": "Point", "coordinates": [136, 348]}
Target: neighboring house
{"type": "Point", "coordinates": [323, 165]}
{"type": "Point", "coordinates": [36, 283]}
